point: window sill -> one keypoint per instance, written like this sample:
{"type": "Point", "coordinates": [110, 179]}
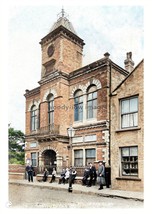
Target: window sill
{"type": "Point", "coordinates": [129, 178]}
{"type": "Point", "coordinates": [128, 129]}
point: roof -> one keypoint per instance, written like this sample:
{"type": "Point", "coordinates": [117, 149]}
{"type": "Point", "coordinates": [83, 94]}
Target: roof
{"type": "Point", "coordinates": [128, 76]}
{"type": "Point", "coordinates": [62, 26]}
{"type": "Point", "coordinates": [63, 21]}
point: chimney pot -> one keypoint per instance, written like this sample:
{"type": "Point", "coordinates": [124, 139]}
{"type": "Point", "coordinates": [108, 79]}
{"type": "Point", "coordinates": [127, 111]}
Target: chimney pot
{"type": "Point", "coordinates": [129, 63]}
{"type": "Point", "coordinates": [107, 55]}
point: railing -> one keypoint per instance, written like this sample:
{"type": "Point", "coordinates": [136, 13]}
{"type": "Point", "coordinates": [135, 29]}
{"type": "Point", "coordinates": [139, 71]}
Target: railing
{"type": "Point", "coordinates": [50, 129]}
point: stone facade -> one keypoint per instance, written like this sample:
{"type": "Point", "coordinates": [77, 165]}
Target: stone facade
{"type": "Point", "coordinates": [128, 137]}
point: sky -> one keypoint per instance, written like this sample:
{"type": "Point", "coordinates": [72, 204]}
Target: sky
{"type": "Point", "coordinates": [116, 29]}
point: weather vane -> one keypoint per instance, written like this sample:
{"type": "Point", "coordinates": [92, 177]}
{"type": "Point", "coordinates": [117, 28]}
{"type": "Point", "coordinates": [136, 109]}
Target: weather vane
{"type": "Point", "coordinates": [62, 14]}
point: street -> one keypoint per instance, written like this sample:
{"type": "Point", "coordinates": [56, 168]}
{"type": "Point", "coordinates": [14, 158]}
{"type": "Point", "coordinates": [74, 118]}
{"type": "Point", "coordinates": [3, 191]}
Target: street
{"type": "Point", "coordinates": [36, 197]}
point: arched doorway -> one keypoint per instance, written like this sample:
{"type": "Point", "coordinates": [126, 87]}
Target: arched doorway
{"type": "Point", "coordinates": [49, 157]}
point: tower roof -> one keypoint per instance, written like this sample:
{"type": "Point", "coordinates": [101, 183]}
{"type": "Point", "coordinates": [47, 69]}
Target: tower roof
{"type": "Point", "coordinates": [63, 21]}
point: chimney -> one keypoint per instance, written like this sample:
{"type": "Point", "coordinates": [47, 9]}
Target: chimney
{"type": "Point", "coordinates": [129, 63]}
{"type": "Point", "coordinates": [106, 55]}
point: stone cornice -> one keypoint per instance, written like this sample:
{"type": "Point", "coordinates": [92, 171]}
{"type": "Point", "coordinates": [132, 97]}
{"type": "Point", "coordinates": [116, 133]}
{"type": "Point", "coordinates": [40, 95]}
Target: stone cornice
{"type": "Point", "coordinates": [48, 137]}
{"type": "Point", "coordinates": [62, 31]}
{"type": "Point", "coordinates": [53, 76]}
{"type": "Point", "coordinates": [91, 126]}
{"type": "Point", "coordinates": [32, 92]}
{"type": "Point", "coordinates": [88, 68]}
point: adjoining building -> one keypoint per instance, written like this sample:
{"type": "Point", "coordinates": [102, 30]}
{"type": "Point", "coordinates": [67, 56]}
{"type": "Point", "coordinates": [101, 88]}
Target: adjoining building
{"type": "Point", "coordinates": [70, 98]}
{"type": "Point", "coordinates": [127, 132]}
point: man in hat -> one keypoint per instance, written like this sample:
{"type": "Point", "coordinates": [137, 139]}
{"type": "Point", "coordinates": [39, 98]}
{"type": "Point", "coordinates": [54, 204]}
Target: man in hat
{"type": "Point", "coordinates": [101, 174]}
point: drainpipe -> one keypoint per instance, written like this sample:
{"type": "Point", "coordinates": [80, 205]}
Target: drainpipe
{"type": "Point", "coordinates": [110, 79]}
{"type": "Point", "coordinates": [109, 68]}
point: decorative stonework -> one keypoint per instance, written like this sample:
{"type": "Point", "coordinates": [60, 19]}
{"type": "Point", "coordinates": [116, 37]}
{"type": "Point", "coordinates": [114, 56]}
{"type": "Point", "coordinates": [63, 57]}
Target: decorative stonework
{"type": "Point", "coordinates": [49, 91]}
{"type": "Point", "coordinates": [85, 87]}
{"type": "Point", "coordinates": [94, 82]}
{"type": "Point", "coordinates": [48, 148]}
{"type": "Point", "coordinates": [79, 87]}
{"type": "Point", "coordinates": [34, 102]}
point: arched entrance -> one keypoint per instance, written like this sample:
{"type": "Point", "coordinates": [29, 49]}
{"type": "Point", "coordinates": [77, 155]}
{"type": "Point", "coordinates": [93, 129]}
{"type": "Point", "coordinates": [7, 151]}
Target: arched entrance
{"type": "Point", "coordinates": [49, 158]}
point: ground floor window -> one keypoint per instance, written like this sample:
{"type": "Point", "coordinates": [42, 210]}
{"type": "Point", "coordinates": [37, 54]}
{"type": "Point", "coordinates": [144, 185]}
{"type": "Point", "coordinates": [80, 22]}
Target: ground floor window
{"type": "Point", "coordinates": [33, 158]}
{"type": "Point", "coordinates": [78, 157]}
{"type": "Point", "coordinates": [90, 155]}
{"type": "Point", "coordinates": [129, 161]}
{"type": "Point", "coordinates": [83, 157]}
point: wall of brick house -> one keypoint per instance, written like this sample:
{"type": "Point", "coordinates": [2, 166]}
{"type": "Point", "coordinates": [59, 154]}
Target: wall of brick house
{"type": "Point", "coordinates": [127, 138]}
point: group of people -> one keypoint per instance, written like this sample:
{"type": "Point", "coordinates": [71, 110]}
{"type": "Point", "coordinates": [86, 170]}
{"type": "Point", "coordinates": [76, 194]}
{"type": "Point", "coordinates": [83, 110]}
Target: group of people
{"type": "Point", "coordinates": [30, 172]}
{"type": "Point", "coordinates": [68, 175]}
{"type": "Point", "coordinates": [91, 175]}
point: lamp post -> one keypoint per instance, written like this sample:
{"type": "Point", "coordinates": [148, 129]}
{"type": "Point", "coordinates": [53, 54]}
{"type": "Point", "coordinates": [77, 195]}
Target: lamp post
{"type": "Point", "coordinates": [71, 133]}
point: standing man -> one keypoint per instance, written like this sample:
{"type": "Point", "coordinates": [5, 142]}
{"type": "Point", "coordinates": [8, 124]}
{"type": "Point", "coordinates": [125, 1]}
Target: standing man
{"type": "Point", "coordinates": [72, 176]}
{"type": "Point", "coordinates": [92, 174]}
{"type": "Point", "coordinates": [29, 170]}
{"type": "Point", "coordinates": [101, 174]}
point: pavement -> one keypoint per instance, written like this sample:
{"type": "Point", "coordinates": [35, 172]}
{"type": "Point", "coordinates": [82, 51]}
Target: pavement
{"type": "Point", "coordinates": [78, 188]}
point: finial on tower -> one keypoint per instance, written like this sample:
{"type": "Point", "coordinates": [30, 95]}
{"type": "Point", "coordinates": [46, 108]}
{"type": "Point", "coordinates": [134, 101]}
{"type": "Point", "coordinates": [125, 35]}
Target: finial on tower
{"type": "Point", "coordinates": [62, 11]}
{"type": "Point", "coordinates": [62, 14]}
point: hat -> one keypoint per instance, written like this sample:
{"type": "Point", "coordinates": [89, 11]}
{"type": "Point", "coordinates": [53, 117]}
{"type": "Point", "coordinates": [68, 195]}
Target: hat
{"type": "Point", "coordinates": [100, 161]}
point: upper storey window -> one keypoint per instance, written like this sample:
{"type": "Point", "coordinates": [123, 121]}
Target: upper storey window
{"type": "Point", "coordinates": [33, 118]}
{"type": "Point", "coordinates": [50, 100]}
{"type": "Point", "coordinates": [129, 112]}
{"type": "Point", "coordinates": [78, 106]}
{"type": "Point", "coordinates": [92, 102]}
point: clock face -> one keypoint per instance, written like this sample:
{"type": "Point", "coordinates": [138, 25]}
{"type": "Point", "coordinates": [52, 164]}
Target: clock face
{"type": "Point", "coordinates": [50, 50]}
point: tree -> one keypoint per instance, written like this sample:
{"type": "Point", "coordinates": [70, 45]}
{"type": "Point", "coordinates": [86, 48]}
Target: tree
{"type": "Point", "coordinates": [16, 146]}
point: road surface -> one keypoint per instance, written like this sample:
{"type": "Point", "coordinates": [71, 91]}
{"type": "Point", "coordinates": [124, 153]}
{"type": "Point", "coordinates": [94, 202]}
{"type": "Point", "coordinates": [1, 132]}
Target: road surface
{"type": "Point", "coordinates": [35, 197]}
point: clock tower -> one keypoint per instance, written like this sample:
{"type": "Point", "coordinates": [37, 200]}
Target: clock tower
{"type": "Point", "coordinates": [61, 48]}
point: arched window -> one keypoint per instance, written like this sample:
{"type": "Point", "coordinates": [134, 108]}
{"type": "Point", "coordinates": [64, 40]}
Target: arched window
{"type": "Point", "coordinates": [50, 100]}
{"type": "Point", "coordinates": [33, 118]}
{"type": "Point", "coordinates": [38, 117]}
{"type": "Point", "coordinates": [92, 102]}
{"type": "Point", "coordinates": [78, 106]}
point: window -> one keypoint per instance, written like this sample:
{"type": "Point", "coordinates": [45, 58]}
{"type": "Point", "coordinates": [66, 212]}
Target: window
{"type": "Point", "coordinates": [129, 161]}
{"type": "Point", "coordinates": [33, 118]}
{"type": "Point", "coordinates": [78, 106]}
{"type": "Point", "coordinates": [129, 112]}
{"type": "Point", "coordinates": [78, 158]}
{"type": "Point", "coordinates": [90, 155]}
{"type": "Point", "coordinates": [33, 144]}
{"type": "Point", "coordinates": [33, 158]}
{"type": "Point", "coordinates": [38, 118]}
{"type": "Point", "coordinates": [92, 102]}
{"type": "Point", "coordinates": [50, 109]}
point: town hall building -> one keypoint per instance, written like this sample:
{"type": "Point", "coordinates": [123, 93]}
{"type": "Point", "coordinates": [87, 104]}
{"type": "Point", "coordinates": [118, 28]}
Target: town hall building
{"type": "Point", "coordinates": [68, 116]}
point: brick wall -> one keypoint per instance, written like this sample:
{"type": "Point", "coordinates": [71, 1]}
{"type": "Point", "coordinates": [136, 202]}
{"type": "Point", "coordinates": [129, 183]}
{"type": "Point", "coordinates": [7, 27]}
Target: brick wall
{"type": "Point", "coordinates": [126, 138]}
{"type": "Point", "coordinates": [16, 168]}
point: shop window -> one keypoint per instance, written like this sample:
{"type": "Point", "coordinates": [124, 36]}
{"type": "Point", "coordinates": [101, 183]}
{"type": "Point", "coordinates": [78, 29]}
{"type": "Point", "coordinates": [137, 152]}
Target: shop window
{"type": "Point", "coordinates": [129, 161]}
